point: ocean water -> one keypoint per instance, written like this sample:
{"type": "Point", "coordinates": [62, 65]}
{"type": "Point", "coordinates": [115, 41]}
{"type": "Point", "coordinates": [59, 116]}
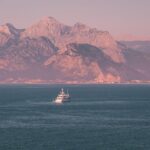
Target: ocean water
{"type": "Point", "coordinates": [99, 117]}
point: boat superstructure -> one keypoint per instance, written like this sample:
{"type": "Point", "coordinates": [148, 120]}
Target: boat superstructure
{"type": "Point", "coordinates": [62, 97]}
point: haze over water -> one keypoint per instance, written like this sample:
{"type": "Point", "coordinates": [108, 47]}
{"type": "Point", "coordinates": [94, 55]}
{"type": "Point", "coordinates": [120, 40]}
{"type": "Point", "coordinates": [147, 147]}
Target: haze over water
{"type": "Point", "coordinates": [99, 117]}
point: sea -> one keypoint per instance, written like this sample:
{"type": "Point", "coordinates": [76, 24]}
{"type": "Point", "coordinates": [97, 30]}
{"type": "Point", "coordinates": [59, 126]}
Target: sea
{"type": "Point", "coordinates": [98, 117]}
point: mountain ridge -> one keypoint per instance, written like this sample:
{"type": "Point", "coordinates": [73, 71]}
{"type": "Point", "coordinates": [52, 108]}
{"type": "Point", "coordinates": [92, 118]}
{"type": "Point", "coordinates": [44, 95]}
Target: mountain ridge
{"type": "Point", "coordinates": [52, 52]}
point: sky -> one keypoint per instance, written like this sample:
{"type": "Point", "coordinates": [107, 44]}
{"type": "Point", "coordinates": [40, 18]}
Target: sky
{"type": "Point", "coordinates": [119, 17]}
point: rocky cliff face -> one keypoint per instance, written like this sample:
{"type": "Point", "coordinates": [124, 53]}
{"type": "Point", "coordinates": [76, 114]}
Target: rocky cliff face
{"type": "Point", "coordinates": [50, 51]}
{"type": "Point", "coordinates": [61, 35]}
{"type": "Point", "coordinates": [83, 62]}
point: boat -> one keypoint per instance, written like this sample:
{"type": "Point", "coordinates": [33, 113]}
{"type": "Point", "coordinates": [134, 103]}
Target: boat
{"type": "Point", "coordinates": [62, 97]}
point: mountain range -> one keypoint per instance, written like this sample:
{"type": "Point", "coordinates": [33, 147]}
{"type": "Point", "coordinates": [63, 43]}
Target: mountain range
{"type": "Point", "coordinates": [52, 52]}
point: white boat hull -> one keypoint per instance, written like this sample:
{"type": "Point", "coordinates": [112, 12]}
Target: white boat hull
{"type": "Point", "coordinates": [62, 97]}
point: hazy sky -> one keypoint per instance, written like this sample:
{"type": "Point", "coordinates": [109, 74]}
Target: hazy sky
{"type": "Point", "coordinates": [116, 16]}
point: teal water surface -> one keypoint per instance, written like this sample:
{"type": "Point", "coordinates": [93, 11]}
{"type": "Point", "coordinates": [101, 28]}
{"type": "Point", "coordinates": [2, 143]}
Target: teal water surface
{"type": "Point", "coordinates": [99, 117]}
